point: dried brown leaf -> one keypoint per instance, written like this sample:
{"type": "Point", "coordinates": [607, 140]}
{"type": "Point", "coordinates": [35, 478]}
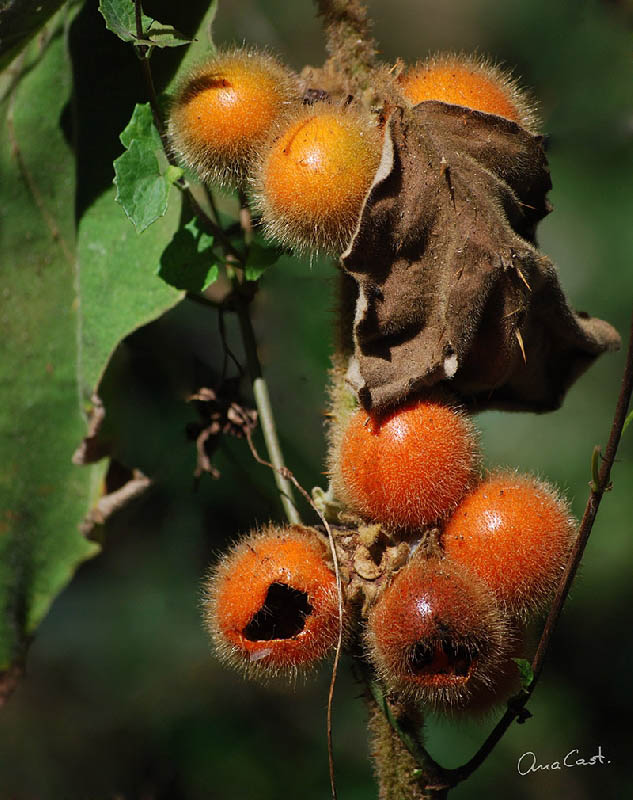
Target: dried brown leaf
{"type": "Point", "coordinates": [93, 446]}
{"type": "Point", "coordinates": [221, 415]}
{"type": "Point", "coordinates": [449, 285]}
{"type": "Point", "coordinates": [122, 485]}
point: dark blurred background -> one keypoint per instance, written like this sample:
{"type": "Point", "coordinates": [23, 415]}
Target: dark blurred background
{"type": "Point", "coordinates": [123, 699]}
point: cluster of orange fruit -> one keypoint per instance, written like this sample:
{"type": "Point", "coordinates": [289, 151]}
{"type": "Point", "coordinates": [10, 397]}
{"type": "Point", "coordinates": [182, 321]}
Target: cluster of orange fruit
{"type": "Point", "coordinates": [448, 624]}
{"type": "Point", "coordinates": [240, 120]}
{"type": "Point", "coordinates": [483, 554]}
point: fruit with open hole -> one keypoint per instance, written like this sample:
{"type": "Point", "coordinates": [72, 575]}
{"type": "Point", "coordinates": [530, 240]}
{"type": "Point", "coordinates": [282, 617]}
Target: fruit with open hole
{"type": "Point", "coordinates": [436, 633]}
{"type": "Point", "coordinates": [271, 604]}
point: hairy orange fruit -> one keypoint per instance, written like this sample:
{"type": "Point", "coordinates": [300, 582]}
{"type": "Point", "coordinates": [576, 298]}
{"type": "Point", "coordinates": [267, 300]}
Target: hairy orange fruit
{"type": "Point", "coordinates": [515, 533]}
{"type": "Point", "coordinates": [226, 109]}
{"type": "Point", "coordinates": [487, 698]}
{"type": "Point", "coordinates": [409, 467]}
{"type": "Point", "coordinates": [470, 82]}
{"type": "Point", "coordinates": [436, 633]}
{"type": "Point", "coordinates": [314, 177]}
{"type": "Point", "coordinates": [271, 604]}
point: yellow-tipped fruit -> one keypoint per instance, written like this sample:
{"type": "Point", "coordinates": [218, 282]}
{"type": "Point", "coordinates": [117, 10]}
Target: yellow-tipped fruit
{"type": "Point", "coordinates": [225, 109]}
{"type": "Point", "coordinates": [313, 178]}
{"type": "Point", "coordinates": [471, 82]}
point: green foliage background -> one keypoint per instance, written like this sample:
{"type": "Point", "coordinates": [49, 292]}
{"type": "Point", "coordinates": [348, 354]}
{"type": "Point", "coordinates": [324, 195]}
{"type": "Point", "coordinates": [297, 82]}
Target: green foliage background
{"type": "Point", "coordinates": [122, 698]}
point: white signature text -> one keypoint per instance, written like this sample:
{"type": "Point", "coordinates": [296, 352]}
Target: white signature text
{"type": "Point", "coordinates": [528, 763]}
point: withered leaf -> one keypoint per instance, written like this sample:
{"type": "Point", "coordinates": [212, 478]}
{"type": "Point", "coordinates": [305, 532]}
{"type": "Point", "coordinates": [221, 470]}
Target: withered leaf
{"type": "Point", "coordinates": [93, 446]}
{"type": "Point", "coordinates": [222, 415]}
{"type": "Point", "coordinates": [121, 483]}
{"type": "Point", "coordinates": [449, 287]}
{"type": "Point", "coordinates": [121, 486]}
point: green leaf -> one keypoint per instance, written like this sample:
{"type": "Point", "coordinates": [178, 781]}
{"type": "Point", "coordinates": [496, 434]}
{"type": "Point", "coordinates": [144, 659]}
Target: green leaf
{"type": "Point", "coordinates": [259, 258]}
{"type": "Point", "coordinates": [43, 496]}
{"type": "Point", "coordinates": [163, 36]}
{"type": "Point", "coordinates": [19, 21]}
{"type": "Point", "coordinates": [119, 289]}
{"type": "Point", "coordinates": [117, 282]}
{"type": "Point", "coordinates": [141, 126]}
{"type": "Point", "coordinates": [141, 189]}
{"type": "Point", "coordinates": [68, 297]}
{"type": "Point", "coordinates": [120, 18]}
{"type": "Point", "coordinates": [525, 672]}
{"type": "Point", "coordinates": [188, 262]}
{"type": "Point", "coordinates": [173, 174]}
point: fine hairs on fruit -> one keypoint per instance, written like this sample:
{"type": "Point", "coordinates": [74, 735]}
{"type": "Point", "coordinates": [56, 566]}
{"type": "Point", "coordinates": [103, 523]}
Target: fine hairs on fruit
{"type": "Point", "coordinates": [406, 468]}
{"type": "Point", "coordinates": [436, 634]}
{"type": "Point", "coordinates": [515, 533]}
{"type": "Point", "coordinates": [225, 109]}
{"type": "Point", "coordinates": [470, 81]}
{"type": "Point", "coordinates": [487, 699]}
{"type": "Point", "coordinates": [271, 604]}
{"type": "Point", "coordinates": [312, 179]}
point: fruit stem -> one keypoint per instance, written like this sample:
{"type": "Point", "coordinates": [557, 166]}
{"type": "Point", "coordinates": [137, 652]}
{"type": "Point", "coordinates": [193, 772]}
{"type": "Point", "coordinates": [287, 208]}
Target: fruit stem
{"type": "Point", "coordinates": [264, 409]}
{"type": "Point", "coordinates": [599, 485]}
{"type": "Point", "coordinates": [246, 221]}
{"type": "Point", "coordinates": [142, 53]}
{"type": "Point", "coordinates": [403, 767]}
{"type": "Point", "coordinates": [259, 385]}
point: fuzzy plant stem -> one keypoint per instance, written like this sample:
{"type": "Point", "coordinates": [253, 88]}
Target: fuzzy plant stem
{"type": "Point", "coordinates": [405, 771]}
{"type": "Point", "coordinates": [350, 46]}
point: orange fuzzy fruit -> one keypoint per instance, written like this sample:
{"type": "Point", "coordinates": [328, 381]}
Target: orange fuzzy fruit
{"type": "Point", "coordinates": [467, 81]}
{"type": "Point", "coordinates": [514, 532]}
{"type": "Point", "coordinates": [436, 633]}
{"type": "Point", "coordinates": [226, 109]}
{"type": "Point", "coordinates": [488, 698]}
{"type": "Point", "coordinates": [313, 178]}
{"type": "Point", "coordinates": [271, 605]}
{"type": "Point", "coordinates": [408, 468]}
